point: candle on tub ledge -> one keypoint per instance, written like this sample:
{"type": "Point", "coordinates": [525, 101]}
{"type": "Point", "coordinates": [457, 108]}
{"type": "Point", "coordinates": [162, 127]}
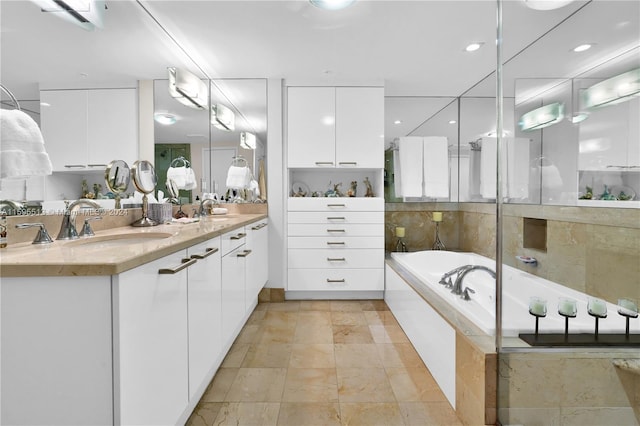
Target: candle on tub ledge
{"type": "Point", "coordinates": [567, 307]}
{"type": "Point", "coordinates": [437, 216]}
{"type": "Point", "coordinates": [597, 307]}
{"type": "Point", "coordinates": [399, 232]}
{"type": "Point", "coordinates": [538, 307]}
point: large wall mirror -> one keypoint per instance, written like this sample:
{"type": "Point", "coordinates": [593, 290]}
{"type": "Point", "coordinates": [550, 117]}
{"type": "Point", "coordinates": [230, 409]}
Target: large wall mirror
{"type": "Point", "coordinates": [588, 155]}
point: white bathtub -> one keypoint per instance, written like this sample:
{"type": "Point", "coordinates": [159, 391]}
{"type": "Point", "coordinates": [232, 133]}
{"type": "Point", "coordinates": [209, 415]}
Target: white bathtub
{"type": "Point", "coordinates": [518, 288]}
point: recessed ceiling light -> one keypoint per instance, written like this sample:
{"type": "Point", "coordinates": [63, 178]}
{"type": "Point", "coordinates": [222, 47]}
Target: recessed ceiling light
{"type": "Point", "coordinates": [583, 47]}
{"type": "Point", "coordinates": [164, 118]}
{"type": "Point", "coordinates": [397, 122]}
{"type": "Point", "coordinates": [452, 121]}
{"type": "Point", "coordinates": [546, 4]}
{"type": "Point", "coordinates": [473, 46]}
{"type": "Point", "coordinates": [45, 104]}
{"type": "Point", "coordinates": [332, 4]}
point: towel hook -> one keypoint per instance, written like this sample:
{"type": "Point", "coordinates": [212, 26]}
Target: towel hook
{"type": "Point", "coordinates": [239, 161]}
{"type": "Point", "coordinates": [176, 161]}
{"type": "Point", "coordinates": [13, 98]}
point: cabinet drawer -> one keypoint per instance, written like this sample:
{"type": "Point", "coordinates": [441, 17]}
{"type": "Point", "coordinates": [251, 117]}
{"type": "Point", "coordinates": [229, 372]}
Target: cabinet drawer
{"type": "Point", "coordinates": [337, 230]}
{"type": "Point", "coordinates": [335, 280]}
{"type": "Point", "coordinates": [337, 204]}
{"type": "Point", "coordinates": [339, 243]}
{"type": "Point", "coordinates": [336, 217]}
{"type": "Point", "coordinates": [336, 258]}
{"type": "Point", "coordinates": [232, 240]}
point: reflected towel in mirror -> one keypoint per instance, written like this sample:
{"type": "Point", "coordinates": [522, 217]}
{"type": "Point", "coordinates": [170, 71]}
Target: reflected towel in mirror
{"type": "Point", "coordinates": [436, 167]}
{"type": "Point", "coordinates": [238, 177]}
{"type": "Point", "coordinates": [22, 153]}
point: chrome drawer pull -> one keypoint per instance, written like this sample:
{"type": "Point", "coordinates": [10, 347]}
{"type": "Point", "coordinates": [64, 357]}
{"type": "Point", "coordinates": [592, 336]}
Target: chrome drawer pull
{"type": "Point", "coordinates": [208, 252]}
{"type": "Point", "coordinates": [185, 264]}
{"type": "Point", "coordinates": [336, 230]}
{"type": "Point", "coordinates": [335, 281]}
{"type": "Point", "coordinates": [97, 165]}
{"type": "Point", "coordinates": [351, 163]}
{"type": "Point", "coordinates": [74, 166]}
{"type": "Point", "coordinates": [337, 218]}
{"type": "Point", "coordinates": [335, 243]}
{"type": "Point", "coordinates": [244, 253]}
{"type": "Point", "coordinates": [257, 227]}
{"type": "Point", "coordinates": [336, 259]}
{"type": "Point", "coordinates": [238, 236]}
{"type": "Point", "coordinates": [336, 205]}
{"type": "Point", "coordinates": [324, 163]}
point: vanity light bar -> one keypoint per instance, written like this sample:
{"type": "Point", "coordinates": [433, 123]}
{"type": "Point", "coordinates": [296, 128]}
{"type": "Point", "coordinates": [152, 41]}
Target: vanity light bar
{"type": "Point", "coordinates": [187, 88]}
{"type": "Point", "coordinates": [223, 118]}
{"type": "Point", "coordinates": [612, 91]}
{"type": "Point", "coordinates": [542, 117]}
{"type": "Point", "coordinates": [247, 140]}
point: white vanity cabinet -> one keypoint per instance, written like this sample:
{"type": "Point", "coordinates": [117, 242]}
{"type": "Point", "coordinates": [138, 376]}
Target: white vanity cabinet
{"type": "Point", "coordinates": [86, 129]}
{"type": "Point", "coordinates": [258, 260]}
{"type": "Point", "coordinates": [204, 305]}
{"type": "Point", "coordinates": [335, 127]}
{"type": "Point", "coordinates": [335, 245]}
{"type": "Point", "coordinates": [234, 306]}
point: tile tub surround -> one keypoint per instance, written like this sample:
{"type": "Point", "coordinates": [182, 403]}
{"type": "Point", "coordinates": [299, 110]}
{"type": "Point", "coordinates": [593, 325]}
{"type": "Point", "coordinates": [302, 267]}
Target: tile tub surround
{"type": "Point", "coordinates": [323, 363]}
{"type": "Point", "coordinates": [416, 218]}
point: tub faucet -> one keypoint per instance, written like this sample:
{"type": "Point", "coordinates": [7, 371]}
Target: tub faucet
{"type": "Point", "coordinates": [457, 286]}
{"type": "Point", "coordinates": [68, 228]}
{"type": "Point", "coordinates": [446, 278]}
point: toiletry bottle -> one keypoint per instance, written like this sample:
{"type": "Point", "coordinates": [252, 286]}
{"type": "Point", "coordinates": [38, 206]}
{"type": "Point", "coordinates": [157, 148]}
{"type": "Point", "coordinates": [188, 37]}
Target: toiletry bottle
{"type": "Point", "coordinates": [3, 229]}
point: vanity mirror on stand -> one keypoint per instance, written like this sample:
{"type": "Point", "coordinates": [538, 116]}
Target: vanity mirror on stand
{"type": "Point", "coordinates": [145, 180]}
{"type": "Point", "coordinates": [117, 176]}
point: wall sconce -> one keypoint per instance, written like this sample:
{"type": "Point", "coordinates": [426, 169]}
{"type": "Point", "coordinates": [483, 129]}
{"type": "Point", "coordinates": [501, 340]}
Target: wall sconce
{"type": "Point", "coordinates": [542, 117]}
{"type": "Point", "coordinates": [223, 118]}
{"type": "Point", "coordinates": [247, 140]}
{"type": "Point", "coordinates": [88, 14]}
{"type": "Point", "coordinates": [615, 90]}
{"type": "Point", "coordinates": [187, 88]}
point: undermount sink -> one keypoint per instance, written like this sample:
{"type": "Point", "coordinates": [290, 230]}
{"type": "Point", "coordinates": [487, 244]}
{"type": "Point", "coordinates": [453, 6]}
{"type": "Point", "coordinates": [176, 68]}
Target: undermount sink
{"type": "Point", "coordinates": [106, 241]}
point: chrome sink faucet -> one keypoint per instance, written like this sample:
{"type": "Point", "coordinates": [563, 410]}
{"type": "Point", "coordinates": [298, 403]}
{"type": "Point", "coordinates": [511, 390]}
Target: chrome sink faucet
{"type": "Point", "coordinates": [202, 211]}
{"type": "Point", "coordinates": [68, 228]}
{"type": "Point", "coordinates": [457, 286]}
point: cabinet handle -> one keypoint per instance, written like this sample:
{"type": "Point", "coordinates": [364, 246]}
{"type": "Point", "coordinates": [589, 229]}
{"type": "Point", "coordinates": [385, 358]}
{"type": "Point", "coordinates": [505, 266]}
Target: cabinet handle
{"type": "Point", "coordinates": [336, 230]}
{"type": "Point", "coordinates": [622, 167]}
{"type": "Point", "coordinates": [335, 281]}
{"type": "Point", "coordinates": [324, 163]}
{"type": "Point", "coordinates": [335, 243]}
{"type": "Point", "coordinates": [336, 259]}
{"type": "Point", "coordinates": [97, 165]}
{"type": "Point", "coordinates": [335, 205]}
{"type": "Point", "coordinates": [244, 253]}
{"type": "Point", "coordinates": [257, 227]}
{"type": "Point", "coordinates": [238, 236]}
{"type": "Point", "coordinates": [336, 218]}
{"type": "Point", "coordinates": [208, 252]}
{"type": "Point", "coordinates": [74, 166]}
{"type": "Point", "coordinates": [350, 163]}
{"type": "Point", "coordinates": [185, 264]}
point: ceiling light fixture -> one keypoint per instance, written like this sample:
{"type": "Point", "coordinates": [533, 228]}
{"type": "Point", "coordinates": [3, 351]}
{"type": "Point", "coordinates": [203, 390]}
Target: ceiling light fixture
{"type": "Point", "coordinates": [397, 122]}
{"type": "Point", "coordinates": [612, 91]}
{"type": "Point", "coordinates": [332, 4]}
{"type": "Point", "coordinates": [473, 46]}
{"type": "Point", "coordinates": [452, 121]}
{"type": "Point", "coordinates": [583, 47]}
{"type": "Point", "coordinates": [164, 118]}
{"type": "Point", "coordinates": [187, 88]}
{"type": "Point", "coordinates": [223, 118]}
{"type": "Point", "coordinates": [88, 14]}
{"type": "Point", "coordinates": [542, 117]}
{"type": "Point", "coordinates": [546, 4]}
{"type": "Point", "coordinates": [247, 140]}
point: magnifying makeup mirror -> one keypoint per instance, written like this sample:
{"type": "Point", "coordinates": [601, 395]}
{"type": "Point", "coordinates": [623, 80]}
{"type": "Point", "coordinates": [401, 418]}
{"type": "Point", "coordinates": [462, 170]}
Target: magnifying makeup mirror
{"type": "Point", "coordinates": [173, 190]}
{"type": "Point", "coordinates": [144, 179]}
{"type": "Point", "coordinates": [117, 177]}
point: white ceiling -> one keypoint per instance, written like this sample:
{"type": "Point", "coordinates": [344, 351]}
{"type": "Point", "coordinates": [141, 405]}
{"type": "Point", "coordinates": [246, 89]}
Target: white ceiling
{"type": "Point", "coordinates": [414, 48]}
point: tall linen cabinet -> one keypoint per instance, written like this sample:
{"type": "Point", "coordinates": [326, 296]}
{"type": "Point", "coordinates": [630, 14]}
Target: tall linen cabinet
{"type": "Point", "coordinates": [335, 240]}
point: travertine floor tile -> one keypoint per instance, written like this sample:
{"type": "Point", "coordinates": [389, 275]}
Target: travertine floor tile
{"type": "Point", "coordinates": [312, 355]}
{"type": "Point", "coordinates": [292, 305]}
{"type": "Point", "coordinates": [268, 355]}
{"type": "Point", "coordinates": [311, 385]}
{"type": "Point", "coordinates": [388, 334]}
{"type": "Point", "coordinates": [220, 385]}
{"type": "Point", "coordinates": [373, 305]}
{"type": "Point", "coordinates": [298, 414]}
{"type": "Point", "coordinates": [348, 318]}
{"type": "Point", "coordinates": [236, 355]}
{"type": "Point", "coordinates": [280, 319]}
{"type": "Point", "coordinates": [380, 318]}
{"type": "Point", "coordinates": [364, 385]}
{"type": "Point", "coordinates": [204, 414]}
{"type": "Point", "coordinates": [313, 333]}
{"type": "Point", "coordinates": [257, 385]}
{"type": "Point", "coordinates": [315, 305]}
{"type": "Point", "coordinates": [357, 355]}
{"type": "Point", "coordinates": [275, 334]}
{"type": "Point", "coordinates": [428, 413]}
{"type": "Point", "coordinates": [248, 334]}
{"type": "Point", "coordinates": [399, 355]}
{"type": "Point", "coordinates": [346, 305]}
{"type": "Point", "coordinates": [314, 318]}
{"type": "Point", "coordinates": [370, 414]}
{"type": "Point", "coordinates": [351, 334]}
{"type": "Point", "coordinates": [256, 317]}
{"type": "Point", "coordinates": [247, 413]}
{"type": "Point", "coordinates": [414, 384]}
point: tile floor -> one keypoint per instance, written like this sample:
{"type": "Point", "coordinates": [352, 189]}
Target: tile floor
{"type": "Point", "coordinates": [308, 363]}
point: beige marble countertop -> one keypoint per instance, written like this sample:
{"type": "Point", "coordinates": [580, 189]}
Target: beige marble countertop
{"type": "Point", "coordinates": [87, 256]}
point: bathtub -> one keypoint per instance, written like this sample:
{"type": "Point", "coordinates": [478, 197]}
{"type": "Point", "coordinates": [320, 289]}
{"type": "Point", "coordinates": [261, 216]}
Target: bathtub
{"type": "Point", "coordinates": [518, 288]}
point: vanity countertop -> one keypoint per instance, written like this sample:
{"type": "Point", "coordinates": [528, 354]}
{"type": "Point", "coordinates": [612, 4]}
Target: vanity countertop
{"type": "Point", "coordinates": [107, 253]}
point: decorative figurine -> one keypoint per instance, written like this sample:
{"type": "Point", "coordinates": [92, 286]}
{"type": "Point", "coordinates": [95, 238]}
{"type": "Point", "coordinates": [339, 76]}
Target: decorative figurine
{"type": "Point", "coordinates": [607, 196]}
{"type": "Point", "coordinates": [316, 194]}
{"type": "Point", "coordinates": [588, 195]}
{"type": "Point", "coordinates": [352, 189]}
{"type": "Point", "coordinates": [369, 192]}
{"type": "Point", "coordinates": [335, 192]}
{"type": "Point", "coordinates": [300, 193]}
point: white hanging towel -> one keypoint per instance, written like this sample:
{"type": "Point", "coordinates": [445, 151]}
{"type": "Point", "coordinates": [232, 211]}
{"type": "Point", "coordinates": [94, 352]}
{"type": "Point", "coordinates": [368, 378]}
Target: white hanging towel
{"type": "Point", "coordinates": [517, 167]}
{"type": "Point", "coordinates": [238, 177]}
{"type": "Point", "coordinates": [22, 152]}
{"type": "Point", "coordinates": [397, 176]}
{"type": "Point", "coordinates": [410, 150]}
{"type": "Point", "coordinates": [436, 167]}
{"type": "Point", "coordinates": [179, 175]}
{"type": "Point", "coordinates": [488, 167]}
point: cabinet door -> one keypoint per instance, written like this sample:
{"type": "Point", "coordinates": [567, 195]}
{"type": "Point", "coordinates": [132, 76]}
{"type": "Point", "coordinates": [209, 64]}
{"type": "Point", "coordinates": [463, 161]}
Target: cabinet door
{"type": "Point", "coordinates": [360, 127]}
{"type": "Point", "coordinates": [112, 128]}
{"type": "Point", "coordinates": [233, 297]}
{"type": "Point", "coordinates": [64, 127]}
{"type": "Point", "coordinates": [150, 325]}
{"type": "Point", "coordinates": [257, 261]}
{"type": "Point", "coordinates": [311, 126]}
{"type": "Point", "coordinates": [205, 320]}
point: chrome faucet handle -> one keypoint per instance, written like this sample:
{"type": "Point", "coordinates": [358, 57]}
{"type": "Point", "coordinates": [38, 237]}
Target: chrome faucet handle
{"type": "Point", "coordinates": [42, 237]}
{"type": "Point", "coordinates": [465, 293]}
{"type": "Point", "coordinates": [86, 228]}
